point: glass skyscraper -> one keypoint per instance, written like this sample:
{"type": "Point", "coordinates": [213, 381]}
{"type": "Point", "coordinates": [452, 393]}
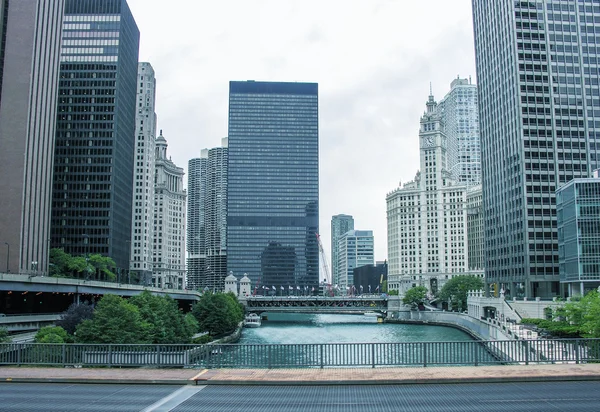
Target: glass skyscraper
{"type": "Point", "coordinates": [538, 70]}
{"type": "Point", "coordinates": [273, 183]}
{"type": "Point", "coordinates": [95, 131]}
{"type": "Point", "coordinates": [578, 217]}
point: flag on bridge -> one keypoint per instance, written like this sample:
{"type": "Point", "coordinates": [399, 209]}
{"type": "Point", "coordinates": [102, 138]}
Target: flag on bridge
{"type": "Point", "coordinates": [291, 287]}
{"type": "Point", "coordinates": [274, 288]}
{"type": "Point", "coordinates": [282, 288]}
{"type": "Point", "coordinates": [298, 287]}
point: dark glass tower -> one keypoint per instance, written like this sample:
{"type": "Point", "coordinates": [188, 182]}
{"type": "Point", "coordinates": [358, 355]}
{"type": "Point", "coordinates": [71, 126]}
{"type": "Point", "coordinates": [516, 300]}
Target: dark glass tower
{"type": "Point", "coordinates": [273, 183]}
{"type": "Point", "coordinates": [95, 133]}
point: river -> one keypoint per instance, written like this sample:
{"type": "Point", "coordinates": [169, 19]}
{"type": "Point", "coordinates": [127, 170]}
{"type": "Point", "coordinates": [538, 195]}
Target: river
{"type": "Point", "coordinates": [323, 328]}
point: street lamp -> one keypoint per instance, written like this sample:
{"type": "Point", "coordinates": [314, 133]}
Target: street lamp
{"type": "Point", "coordinates": [7, 256]}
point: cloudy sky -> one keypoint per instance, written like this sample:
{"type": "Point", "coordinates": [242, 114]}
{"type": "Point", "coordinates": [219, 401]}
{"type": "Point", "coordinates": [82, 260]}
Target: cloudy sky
{"type": "Point", "coordinates": [373, 60]}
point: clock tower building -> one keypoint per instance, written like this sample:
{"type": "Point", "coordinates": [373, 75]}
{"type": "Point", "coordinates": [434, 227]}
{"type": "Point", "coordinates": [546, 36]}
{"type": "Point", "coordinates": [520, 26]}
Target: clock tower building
{"type": "Point", "coordinates": [427, 217]}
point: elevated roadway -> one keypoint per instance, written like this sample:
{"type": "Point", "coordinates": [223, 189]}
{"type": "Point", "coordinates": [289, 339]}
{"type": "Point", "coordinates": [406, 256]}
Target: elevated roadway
{"type": "Point", "coordinates": [42, 294]}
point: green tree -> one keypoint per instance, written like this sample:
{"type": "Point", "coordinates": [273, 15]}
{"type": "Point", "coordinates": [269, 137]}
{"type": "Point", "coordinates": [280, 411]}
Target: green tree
{"type": "Point", "coordinates": [166, 323]}
{"type": "Point", "coordinates": [585, 313]}
{"type": "Point", "coordinates": [456, 290]}
{"type": "Point", "coordinates": [59, 263]}
{"type": "Point", "coordinates": [115, 321]}
{"type": "Point", "coordinates": [415, 296]}
{"type": "Point", "coordinates": [218, 313]}
{"type": "Point", "coordinates": [4, 337]}
{"type": "Point", "coordinates": [51, 334]}
{"type": "Point", "coordinates": [102, 266]}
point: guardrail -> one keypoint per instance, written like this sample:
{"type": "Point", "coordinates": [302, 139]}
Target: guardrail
{"type": "Point", "coordinates": [470, 353]}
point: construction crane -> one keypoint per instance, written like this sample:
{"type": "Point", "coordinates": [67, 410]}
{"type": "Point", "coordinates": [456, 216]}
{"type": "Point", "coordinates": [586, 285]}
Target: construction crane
{"type": "Point", "coordinates": [324, 264]}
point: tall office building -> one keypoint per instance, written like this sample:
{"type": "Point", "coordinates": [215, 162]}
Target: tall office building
{"type": "Point", "coordinates": [207, 220]}
{"type": "Point", "coordinates": [475, 229]}
{"type": "Point", "coordinates": [30, 36]}
{"type": "Point", "coordinates": [340, 224]}
{"type": "Point", "coordinates": [356, 248]}
{"type": "Point", "coordinates": [460, 118]}
{"type": "Point", "coordinates": [95, 130]}
{"type": "Point", "coordinates": [427, 217]}
{"type": "Point", "coordinates": [537, 69]}
{"type": "Point", "coordinates": [169, 221]}
{"type": "Point", "coordinates": [142, 232]}
{"type": "Point", "coordinates": [273, 182]}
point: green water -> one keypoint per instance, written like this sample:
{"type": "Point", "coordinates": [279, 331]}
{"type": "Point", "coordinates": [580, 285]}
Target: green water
{"type": "Point", "coordinates": [305, 328]}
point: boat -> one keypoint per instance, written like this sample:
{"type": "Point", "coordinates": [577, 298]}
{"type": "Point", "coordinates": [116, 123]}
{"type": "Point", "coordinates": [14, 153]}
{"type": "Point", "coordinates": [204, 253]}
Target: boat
{"type": "Point", "coordinates": [372, 314]}
{"type": "Point", "coordinates": [252, 320]}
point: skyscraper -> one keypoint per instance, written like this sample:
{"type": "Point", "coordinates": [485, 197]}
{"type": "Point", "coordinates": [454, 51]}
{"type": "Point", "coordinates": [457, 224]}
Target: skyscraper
{"type": "Point", "coordinates": [168, 260]}
{"type": "Point", "coordinates": [460, 118]}
{"type": "Point", "coordinates": [30, 37]}
{"type": "Point", "coordinates": [95, 130]}
{"type": "Point", "coordinates": [142, 232]}
{"type": "Point", "coordinates": [427, 217]}
{"type": "Point", "coordinates": [340, 224]}
{"type": "Point", "coordinates": [207, 219]}
{"type": "Point", "coordinates": [537, 69]}
{"type": "Point", "coordinates": [355, 249]}
{"type": "Point", "coordinates": [273, 182]}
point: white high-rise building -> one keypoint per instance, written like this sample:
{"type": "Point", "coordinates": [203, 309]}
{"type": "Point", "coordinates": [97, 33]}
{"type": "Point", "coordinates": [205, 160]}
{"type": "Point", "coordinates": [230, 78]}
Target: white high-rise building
{"type": "Point", "coordinates": [460, 118]}
{"type": "Point", "coordinates": [355, 249]}
{"type": "Point", "coordinates": [340, 224]}
{"type": "Point", "coordinates": [142, 230]}
{"type": "Point", "coordinates": [207, 219]}
{"type": "Point", "coordinates": [427, 217]}
{"type": "Point", "coordinates": [169, 221]}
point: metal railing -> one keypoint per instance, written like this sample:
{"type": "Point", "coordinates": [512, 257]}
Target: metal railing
{"type": "Point", "coordinates": [471, 353]}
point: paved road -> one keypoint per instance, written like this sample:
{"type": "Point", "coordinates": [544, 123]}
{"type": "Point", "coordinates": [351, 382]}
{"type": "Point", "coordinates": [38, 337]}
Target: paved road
{"type": "Point", "coordinates": [475, 397]}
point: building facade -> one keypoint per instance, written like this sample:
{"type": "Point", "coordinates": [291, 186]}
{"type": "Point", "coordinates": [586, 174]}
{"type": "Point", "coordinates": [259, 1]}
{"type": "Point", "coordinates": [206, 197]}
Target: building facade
{"type": "Point", "coordinates": [95, 130]}
{"type": "Point", "coordinates": [370, 278]}
{"type": "Point", "coordinates": [356, 248]}
{"type": "Point", "coordinates": [427, 217]}
{"type": "Point", "coordinates": [578, 221]}
{"type": "Point", "coordinates": [460, 117]}
{"type": "Point", "coordinates": [30, 38]}
{"type": "Point", "coordinates": [475, 227]}
{"type": "Point", "coordinates": [538, 94]}
{"type": "Point", "coordinates": [142, 231]}
{"type": "Point", "coordinates": [273, 182]}
{"type": "Point", "coordinates": [340, 224]}
{"type": "Point", "coordinates": [169, 222]}
{"type": "Point", "coordinates": [207, 219]}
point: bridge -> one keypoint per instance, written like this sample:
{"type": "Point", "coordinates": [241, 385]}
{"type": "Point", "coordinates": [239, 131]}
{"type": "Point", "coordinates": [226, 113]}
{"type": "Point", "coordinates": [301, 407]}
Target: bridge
{"type": "Point", "coordinates": [317, 304]}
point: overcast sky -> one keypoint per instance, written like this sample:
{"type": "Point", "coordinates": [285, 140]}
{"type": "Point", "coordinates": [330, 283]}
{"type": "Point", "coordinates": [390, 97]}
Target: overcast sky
{"type": "Point", "coordinates": [373, 60]}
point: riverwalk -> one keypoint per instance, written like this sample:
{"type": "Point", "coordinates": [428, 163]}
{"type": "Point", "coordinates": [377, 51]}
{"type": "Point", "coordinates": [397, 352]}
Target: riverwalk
{"type": "Point", "coordinates": [327, 376]}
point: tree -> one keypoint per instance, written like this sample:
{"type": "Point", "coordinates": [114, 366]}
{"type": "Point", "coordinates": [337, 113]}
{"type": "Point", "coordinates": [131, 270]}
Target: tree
{"type": "Point", "coordinates": [585, 313]}
{"type": "Point", "coordinates": [456, 289]}
{"type": "Point", "coordinates": [415, 296]}
{"type": "Point", "coordinates": [51, 334]}
{"type": "Point", "coordinates": [94, 266]}
{"type": "Point", "coordinates": [4, 337]}
{"type": "Point", "coordinates": [77, 313]}
{"type": "Point", "coordinates": [218, 313]}
{"type": "Point", "coordinates": [115, 321]}
{"type": "Point", "coordinates": [166, 323]}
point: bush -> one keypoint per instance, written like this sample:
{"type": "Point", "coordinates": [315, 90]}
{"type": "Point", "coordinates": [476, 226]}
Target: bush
{"type": "Point", "coordinates": [4, 338]}
{"type": "Point", "coordinates": [51, 334]}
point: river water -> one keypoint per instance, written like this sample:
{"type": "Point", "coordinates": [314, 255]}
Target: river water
{"type": "Point", "coordinates": [323, 328]}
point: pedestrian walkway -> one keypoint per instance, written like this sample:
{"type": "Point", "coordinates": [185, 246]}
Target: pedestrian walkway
{"type": "Point", "coordinates": [349, 376]}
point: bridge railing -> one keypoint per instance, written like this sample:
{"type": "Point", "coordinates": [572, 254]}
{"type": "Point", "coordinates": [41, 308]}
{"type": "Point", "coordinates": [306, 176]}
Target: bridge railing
{"type": "Point", "coordinates": [471, 353]}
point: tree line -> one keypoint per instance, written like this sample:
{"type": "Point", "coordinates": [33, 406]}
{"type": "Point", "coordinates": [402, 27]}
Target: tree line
{"type": "Point", "coordinates": [145, 319]}
{"type": "Point", "coordinates": [455, 291]}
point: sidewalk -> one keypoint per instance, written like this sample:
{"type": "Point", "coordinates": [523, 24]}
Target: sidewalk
{"type": "Point", "coordinates": [350, 376]}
